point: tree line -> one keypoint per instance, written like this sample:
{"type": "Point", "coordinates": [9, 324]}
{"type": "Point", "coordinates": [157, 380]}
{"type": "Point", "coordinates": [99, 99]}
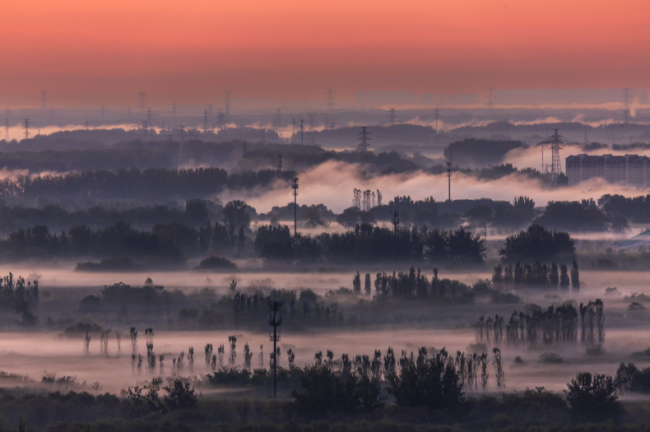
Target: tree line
{"type": "Point", "coordinates": [149, 183]}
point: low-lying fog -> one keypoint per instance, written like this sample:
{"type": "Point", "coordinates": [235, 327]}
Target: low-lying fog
{"type": "Point", "coordinates": [33, 354]}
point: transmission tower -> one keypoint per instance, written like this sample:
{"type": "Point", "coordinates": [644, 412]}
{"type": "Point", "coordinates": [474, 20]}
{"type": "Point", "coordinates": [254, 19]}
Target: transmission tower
{"type": "Point", "coordinates": [181, 130]}
{"type": "Point", "coordinates": [391, 116]}
{"type": "Point", "coordinates": [626, 105]}
{"type": "Point", "coordinates": [312, 132]}
{"type": "Point", "coordinates": [221, 121]}
{"type": "Point", "coordinates": [302, 132]}
{"type": "Point", "coordinates": [490, 102]}
{"type": "Point", "coordinates": [26, 125]}
{"type": "Point", "coordinates": [227, 104]}
{"type": "Point", "coordinates": [330, 99]}
{"type": "Point", "coordinates": [436, 122]}
{"type": "Point", "coordinates": [205, 121]}
{"type": "Point", "coordinates": [450, 168]}
{"type": "Point", "coordinates": [294, 186]}
{"type": "Point", "coordinates": [363, 147]}
{"type": "Point", "coordinates": [143, 99]}
{"type": "Point", "coordinates": [7, 129]}
{"type": "Point", "coordinates": [556, 164]}
{"type": "Point", "coordinates": [43, 96]}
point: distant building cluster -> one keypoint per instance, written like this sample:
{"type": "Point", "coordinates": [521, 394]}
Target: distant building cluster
{"type": "Point", "coordinates": [632, 170]}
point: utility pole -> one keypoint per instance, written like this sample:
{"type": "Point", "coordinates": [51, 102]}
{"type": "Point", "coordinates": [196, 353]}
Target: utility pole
{"type": "Point", "coordinates": [450, 167]}
{"type": "Point", "coordinates": [294, 186]}
{"type": "Point", "coordinates": [26, 124]}
{"type": "Point", "coordinates": [43, 95]}
{"type": "Point", "coordinates": [275, 321]}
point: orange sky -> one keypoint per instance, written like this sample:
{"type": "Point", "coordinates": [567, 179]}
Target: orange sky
{"type": "Point", "coordinates": [104, 52]}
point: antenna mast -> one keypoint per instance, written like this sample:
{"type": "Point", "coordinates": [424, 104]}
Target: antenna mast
{"type": "Point", "coordinates": [26, 128]}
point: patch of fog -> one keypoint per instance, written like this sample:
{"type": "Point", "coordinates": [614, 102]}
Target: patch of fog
{"type": "Point", "coordinates": [332, 183]}
{"type": "Point", "coordinates": [33, 353]}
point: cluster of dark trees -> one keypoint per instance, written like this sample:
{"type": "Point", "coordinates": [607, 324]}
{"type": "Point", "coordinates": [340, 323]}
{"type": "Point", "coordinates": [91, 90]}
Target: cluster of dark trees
{"type": "Point", "coordinates": [20, 297]}
{"type": "Point", "coordinates": [170, 243]}
{"type": "Point", "coordinates": [150, 183]}
{"type": "Point", "coordinates": [371, 243]}
{"type": "Point", "coordinates": [536, 275]}
{"type": "Point", "coordinates": [445, 214]}
{"type": "Point", "coordinates": [196, 212]}
{"type": "Point", "coordinates": [583, 215]}
{"type": "Point", "coordinates": [634, 209]}
{"type": "Point", "coordinates": [414, 283]}
{"type": "Point", "coordinates": [147, 300]}
{"type": "Point", "coordinates": [538, 244]}
{"type": "Point", "coordinates": [562, 324]}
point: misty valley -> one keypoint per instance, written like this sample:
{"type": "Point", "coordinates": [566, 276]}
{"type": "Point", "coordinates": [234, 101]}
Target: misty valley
{"type": "Point", "coordinates": [185, 279]}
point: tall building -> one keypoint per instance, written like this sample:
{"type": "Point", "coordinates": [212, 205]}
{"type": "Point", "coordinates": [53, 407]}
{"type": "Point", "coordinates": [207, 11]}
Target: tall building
{"type": "Point", "coordinates": [632, 170]}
